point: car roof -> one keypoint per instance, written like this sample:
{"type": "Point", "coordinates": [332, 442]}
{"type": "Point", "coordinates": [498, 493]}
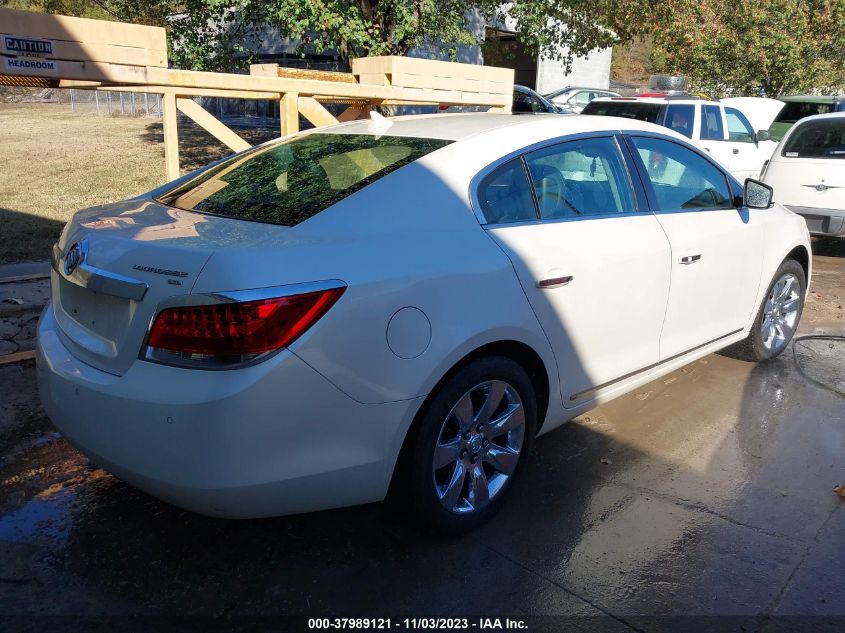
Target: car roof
{"type": "Point", "coordinates": [456, 127]}
{"type": "Point", "coordinates": [811, 98]}
{"type": "Point", "coordinates": [675, 99]}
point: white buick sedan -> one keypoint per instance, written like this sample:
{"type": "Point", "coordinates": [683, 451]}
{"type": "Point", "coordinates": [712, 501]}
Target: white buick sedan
{"type": "Point", "coordinates": [401, 305]}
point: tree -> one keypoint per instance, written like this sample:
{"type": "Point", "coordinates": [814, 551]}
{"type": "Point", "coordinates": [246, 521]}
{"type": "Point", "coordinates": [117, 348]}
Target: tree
{"type": "Point", "coordinates": [205, 34]}
{"type": "Point", "coordinates": [560, 29]}
{"type": "Point", "coordinates": [736, 46]}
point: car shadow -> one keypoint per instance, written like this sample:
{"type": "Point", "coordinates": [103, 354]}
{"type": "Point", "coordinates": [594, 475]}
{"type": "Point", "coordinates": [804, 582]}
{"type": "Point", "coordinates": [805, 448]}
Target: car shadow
{"type": "Point", "coordinates": [25, 233]}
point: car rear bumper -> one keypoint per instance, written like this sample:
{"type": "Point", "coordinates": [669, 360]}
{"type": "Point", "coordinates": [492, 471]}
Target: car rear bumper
{"type": "Point", "coordinates": [276, 438]}
{"type": "Point", "coordinates": [822, 221]}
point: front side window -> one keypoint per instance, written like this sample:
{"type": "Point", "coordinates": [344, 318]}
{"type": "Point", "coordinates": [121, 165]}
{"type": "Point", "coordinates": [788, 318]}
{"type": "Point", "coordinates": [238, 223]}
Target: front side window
{"type": "Point", "coordinates": [292, 180]}
{"type": "Point", "coordinates": [505, 195]}
{"type": "Point", "coordinates": [739, 128]}
{"type": "Point", "coordinates": [681, 178]}
{"type": "Point", "coordinates": [817, 139]}
{"type": "Point", "coordinates": [711, 123]}
{"type": "Point", "coordinates": [580, 178]}
{"type": "Point", "coordinates": [680, 118]}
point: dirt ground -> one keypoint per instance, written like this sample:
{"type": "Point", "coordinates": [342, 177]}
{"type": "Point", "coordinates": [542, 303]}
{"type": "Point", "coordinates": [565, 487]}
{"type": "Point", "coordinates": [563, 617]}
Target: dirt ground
{"type": "Point", "coordinates": [707, 493]}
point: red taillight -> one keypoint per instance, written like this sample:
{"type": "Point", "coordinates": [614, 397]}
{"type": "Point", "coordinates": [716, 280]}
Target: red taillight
{"type": "Point", "coordinates": [233, 332]}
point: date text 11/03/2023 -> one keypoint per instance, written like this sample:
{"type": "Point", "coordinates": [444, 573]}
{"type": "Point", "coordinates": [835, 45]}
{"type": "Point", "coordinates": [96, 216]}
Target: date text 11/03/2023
{"type": "Point", "coordinates": [414, 624]}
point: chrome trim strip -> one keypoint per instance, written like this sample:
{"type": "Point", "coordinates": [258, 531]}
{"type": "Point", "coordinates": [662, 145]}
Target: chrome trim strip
{"type": "Point", "coordinates": [650, 367]}
{"type": "Point", "coordinates": [97, 279]}
{"type": "Point", "coordinates": [274, 292]}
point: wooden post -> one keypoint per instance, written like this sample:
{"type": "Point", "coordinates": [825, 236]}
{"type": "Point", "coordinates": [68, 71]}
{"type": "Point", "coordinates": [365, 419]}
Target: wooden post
{"type": "Point", "coordinates": [171, 136]}
{"type": "Point", "coordinates": [289, 113]}
{"type": "Point", "coordinates": [206, 120]}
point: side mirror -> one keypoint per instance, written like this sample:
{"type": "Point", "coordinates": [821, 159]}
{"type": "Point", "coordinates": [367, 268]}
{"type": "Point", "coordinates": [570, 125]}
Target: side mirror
{"type": "Point", "coordinates": [757, 195]}
{"type": "Point", "coordinates": [763, 135]}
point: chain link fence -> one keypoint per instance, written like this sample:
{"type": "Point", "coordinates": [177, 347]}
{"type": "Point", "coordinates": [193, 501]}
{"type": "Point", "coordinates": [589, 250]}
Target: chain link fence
{"type": "Point", "coordinates": [109, 103]}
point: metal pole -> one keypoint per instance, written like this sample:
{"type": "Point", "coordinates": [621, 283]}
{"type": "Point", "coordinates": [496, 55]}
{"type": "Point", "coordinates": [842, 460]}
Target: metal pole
{"type": "Point", "coordinates": [132, 99]}
{"type": "Point", "coordinates": [146, 104]}
{"type": "Point", "coordinates": [71, 100]}
{"type": "Point", "coordinates": [122, 110]}
{"type": "Point", "coordinates": [109, 96]}
{"type": "Point", "coordinates": [97, 101]}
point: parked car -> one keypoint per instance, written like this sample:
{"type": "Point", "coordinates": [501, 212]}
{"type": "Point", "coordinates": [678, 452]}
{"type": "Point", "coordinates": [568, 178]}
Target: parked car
{"type": "Point", "coordinates": [722, 130]}
{"type": "Point", "coordinates": [808, 172]}
{"type": "Point", "coordinates": [527, 101]}
{"type": "Point", "coordinates": [573, 99]}
{"type": "Point", "coordinates": [401, 305]}
{"type": "Point", "coordinates": [799, 106]}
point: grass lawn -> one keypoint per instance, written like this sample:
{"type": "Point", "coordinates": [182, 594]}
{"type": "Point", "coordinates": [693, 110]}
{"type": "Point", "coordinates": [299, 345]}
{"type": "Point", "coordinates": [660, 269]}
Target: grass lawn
{"type": "Point", "coordinates": [55, 162]}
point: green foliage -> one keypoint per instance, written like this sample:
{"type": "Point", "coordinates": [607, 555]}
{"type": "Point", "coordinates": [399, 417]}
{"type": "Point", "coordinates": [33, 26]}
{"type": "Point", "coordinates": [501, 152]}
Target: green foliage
{"type": "Point", "coordinates": [735, 46]}
{"type": "Point", "coordinates": [216, 34]}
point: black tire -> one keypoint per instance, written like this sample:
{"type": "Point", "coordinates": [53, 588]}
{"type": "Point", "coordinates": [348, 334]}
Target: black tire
{"type": "Point", "coordinates": [419, 480]}
{"type": "Point", "coordinates": [752, 348]}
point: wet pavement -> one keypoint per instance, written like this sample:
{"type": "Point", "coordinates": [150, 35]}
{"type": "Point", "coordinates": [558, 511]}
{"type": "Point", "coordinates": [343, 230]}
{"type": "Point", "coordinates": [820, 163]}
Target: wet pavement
{"type": "Point", "coordinates": [705, 493]}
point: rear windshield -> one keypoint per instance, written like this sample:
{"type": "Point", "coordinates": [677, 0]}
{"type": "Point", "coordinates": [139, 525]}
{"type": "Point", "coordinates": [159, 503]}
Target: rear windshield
{"type": "Point", "coordinates": [292, 180]}
{"type": "Point", "coordinates": [649, 112]}
{"type": "Point", "coordinates": [795, 111]}
{"type": "Point", "coordinates": [817, 139]}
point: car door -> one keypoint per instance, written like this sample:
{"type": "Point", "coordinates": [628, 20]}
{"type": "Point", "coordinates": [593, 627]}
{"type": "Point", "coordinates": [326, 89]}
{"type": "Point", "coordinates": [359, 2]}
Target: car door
{"type": "Point", "coordinates": [747, 155]}
{"type": "Point", "coordinates": [717, 249]}
{"type": "Point", "coordinates": [711, 133]}
{"type": "Point", "coordinates": [593, 261]}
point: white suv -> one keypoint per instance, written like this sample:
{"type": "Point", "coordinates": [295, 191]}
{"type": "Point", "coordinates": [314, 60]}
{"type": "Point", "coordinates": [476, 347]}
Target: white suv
{"type": "Point", "coordinates": [723, 131]}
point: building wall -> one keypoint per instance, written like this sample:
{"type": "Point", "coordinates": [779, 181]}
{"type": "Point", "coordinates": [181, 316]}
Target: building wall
{"type": "Point", "coordinates": [592, 71]}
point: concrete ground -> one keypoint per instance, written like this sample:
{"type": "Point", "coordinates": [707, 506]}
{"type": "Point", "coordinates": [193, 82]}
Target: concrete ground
{"type": "Point", "coordinates": [706, 493]}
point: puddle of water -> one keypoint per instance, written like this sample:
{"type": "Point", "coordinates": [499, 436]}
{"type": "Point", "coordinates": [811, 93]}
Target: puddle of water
{"type": "Point", "coordinates": [46, 516]}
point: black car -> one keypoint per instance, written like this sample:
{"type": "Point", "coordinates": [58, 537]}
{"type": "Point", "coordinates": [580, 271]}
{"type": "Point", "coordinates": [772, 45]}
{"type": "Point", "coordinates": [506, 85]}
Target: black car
{"type": "Point", "coordinates": [527, 101]}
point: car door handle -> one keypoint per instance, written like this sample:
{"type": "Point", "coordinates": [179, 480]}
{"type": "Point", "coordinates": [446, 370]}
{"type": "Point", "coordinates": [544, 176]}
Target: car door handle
{"type": "Point", "coordinates": [690, 259]}
{"type": "Point", "coordinates": [554, 282]}
{"type": "Point", "coordinates": [735, 151]}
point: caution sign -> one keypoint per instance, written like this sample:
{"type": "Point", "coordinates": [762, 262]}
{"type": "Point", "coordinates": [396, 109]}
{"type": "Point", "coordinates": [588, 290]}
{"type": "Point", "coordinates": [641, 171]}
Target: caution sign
{"type": "Point", "coordinates": [27, 46]}
{"type": "Point", "coordinates": [29, 66]}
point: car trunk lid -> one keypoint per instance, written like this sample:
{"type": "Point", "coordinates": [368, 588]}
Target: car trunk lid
{"type": "Point", "coordinates": [115, 266]}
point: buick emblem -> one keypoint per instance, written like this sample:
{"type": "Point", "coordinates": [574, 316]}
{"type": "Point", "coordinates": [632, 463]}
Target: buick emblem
{"type": "Point", "coordinates": [73, 259]}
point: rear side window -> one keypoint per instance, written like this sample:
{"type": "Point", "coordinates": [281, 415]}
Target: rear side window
{"type": "Point", "coordinates": [817, 139]}
{"type": "Point", "coordinates": [580, 178]}
{"type": "Point", "coordinates": [680, 118]}
{"type": "Point", "coordinates": [711, 123]}
{"type": "Point", "coordinates": [795, 111]}
{"type": "Point", "coordinates": [648, 112]}
{"type": "Point", "coordinates": [292, 180]}
{"type": "Point", "coordinates": [681, 178]}
{"type": "Point", "coordinates": [739, 128]}
{"type": "Point", "coordinates": [505, 195]}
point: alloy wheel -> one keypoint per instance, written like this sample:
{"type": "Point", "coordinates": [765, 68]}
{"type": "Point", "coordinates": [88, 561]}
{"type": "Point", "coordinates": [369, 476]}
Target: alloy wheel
{"type": "Point", "coordinates": [478, 447]}
{"type": "Point", "coordinates": [780, 312]}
